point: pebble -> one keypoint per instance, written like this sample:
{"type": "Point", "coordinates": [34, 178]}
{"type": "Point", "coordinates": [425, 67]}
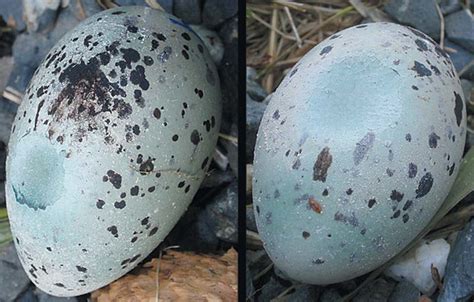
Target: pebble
{"type": "Point", "coordinates": [420, 14]}
{"type": "Point", "coordinates": [460, 58]}
{"type": "Point", "coordinates": [458, 282]}
{"type": "Point", "coordinates": [13, 279]}
{"type": "Point", "coordinates": [188, 10]}
{"type": "Point", "coordinates": [302, 293]}
{"type": "Point", "coordinates": [215, 12]}
{"type": "Point", "coordinates": [460, 28]}
{"type": "Point", "coordinates": [7, 115]}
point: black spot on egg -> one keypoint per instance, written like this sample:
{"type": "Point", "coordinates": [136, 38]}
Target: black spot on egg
{"type": "Point", "coordinates": [458, 107]}
{"type": "Point", "coordinates": [424, 186]}
{"type": "Point", "coordinates": [113, 230]}
{"type": "Point", "coordinates": [395, 195]}
{"type": "Point", "coordinates": [408, 137]}
{"type": "Point", "coordinates": [146, 167]}
{"type": "Point", "coordinates": [412, 170]}
{"type": "Point", "coordinates": [363, 147]}
{"type": "Point", "coordinates": [407, 205]}
{"type": "Point", "coordinates": [306, 235]}
{"type": "Point", "coordinates": [195, 137]}
{"type": "Point", "coordinates": [87, 40]}
{"type": "Point", "coordinates": [157, 113]}
{"type": "Point", "coordinates": [185, 54]}
{"type": "Point", "coordinates": [159, 36]}
{"type": "Point", "coordinates": [422, 46]}
{"type": "Point", "coordinates": [325, 192]}
{"type": "Point", "coordinates": [153, 231]}
{"type": "Point", "coordinates": [138, 77]}
{"type": "Point", "coordinates": [120, 204]}
{"type": "Point", "coordinates": [322, 164]}
{"type": "Point", "coordinates": [134, 190]}
{"type": "Point", "coordinates": [421, 69]}
{"type": "Point", "coordinates": [204, 163]}
{"type": "Point", "coordinates": [371, 202]}
{"type": "Point", "coordinates": [325, 50]}
{"type": "Point", "coordinates": [148, 60]}
{"type": "Point", "coordinates": [433, 140]}
{"type": "Point", "coordinates": [100, 203]}
{"type": "Point", "coordinates": [132, 29]}
{"type": "Point", "coordinates": [349, 191]}
{"type": "Point", "coordinates": [81, 269]}
{"type": "Point", "coordinates": [414, 87]}
{"type": "Point", "coordinates": [115, 179]}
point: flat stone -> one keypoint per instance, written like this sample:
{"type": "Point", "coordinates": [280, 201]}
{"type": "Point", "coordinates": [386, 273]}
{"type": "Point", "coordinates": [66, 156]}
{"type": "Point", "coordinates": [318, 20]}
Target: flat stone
{"type": "Point", "coordinates": [458, 282]}
{"type": "Point", "coordinates": [303, 293]}
{"type": "Point", "coordinates": [216, 12]}
{"type": "Point", "coordinates": [460, 58]}
{"type": "Point", "coordinates": [188, 10]}
{"type": "Point", "coordinates": [460, 28]}
{"type": "Point", "coordinates": [377, 291]}
{"type": "Point", "coordinates": [404, 292]}
{"type": "Point", "coordinates": [13, 279]}
{"type": "Point", "coordinates": [420, 14]}
{"type": "Point", "coordinates": [449, 6]}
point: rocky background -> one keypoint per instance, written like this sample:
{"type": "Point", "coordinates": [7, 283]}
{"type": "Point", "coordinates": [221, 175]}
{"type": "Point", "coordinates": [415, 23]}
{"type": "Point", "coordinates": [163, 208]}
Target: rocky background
{"type": "Point", "coordinates": [270, 57]}
{"type": "Point", "coordinates": [28, 30]}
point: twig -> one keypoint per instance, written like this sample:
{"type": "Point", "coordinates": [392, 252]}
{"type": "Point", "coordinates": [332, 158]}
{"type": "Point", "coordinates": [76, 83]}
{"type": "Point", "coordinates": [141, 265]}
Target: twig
{"type": "Point", "coordinates": [262, 272]}
{"type": "Point", "coordinates": [268, 85]}
{"type": "Point", "coordinates": [293, 27]}
{"type": "Point", "coordinates": [441, 33]}
{"type": "Point", "coordinates": [465, 68]}
{"type": "Point", "coordinates": [230, 138]}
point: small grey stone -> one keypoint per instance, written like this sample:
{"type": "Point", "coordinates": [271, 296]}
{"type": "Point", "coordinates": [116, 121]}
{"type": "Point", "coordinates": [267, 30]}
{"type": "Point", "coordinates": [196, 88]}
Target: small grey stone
{"type": "Point", "coordinates": [460, 28]}
{"type": "Point", "coordinates": [188, 10]}
{"type": "Point", "coordinates": [458, 282]}
{"type": "Point", "coordinates": [255, 112]}
{"type": "Point", "coordinates": [217, 11]}
{"type": "Point", "coordinates": [28, 296]}
{"type": "Point", "coordinates": [460, 58]}
{"type": "Point", "coordinates": [254, 90]}
{"type": "Point", "coordinates": [13, 279]}
{"type": "Point", "coordinates": [377, 291]}
{"type": "Point", "coordinates": [420, 14]}
{"type": "Point", "coordinates": [449, 6]}
{"type": "Point", "coordinates": [404, 292]}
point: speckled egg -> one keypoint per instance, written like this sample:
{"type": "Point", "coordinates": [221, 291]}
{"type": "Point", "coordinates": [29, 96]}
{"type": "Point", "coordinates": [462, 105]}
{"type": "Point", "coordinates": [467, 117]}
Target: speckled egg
{"type": "Point", "coordinates": [111, 142]}
{"type": "Point", "coordinates": [356, 151]}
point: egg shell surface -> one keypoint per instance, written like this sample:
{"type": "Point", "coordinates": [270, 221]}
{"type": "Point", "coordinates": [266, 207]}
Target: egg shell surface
{"type": "Point", "coordinates": [111, 142]}
{"type": "Point", "coordinates": [357, 149]}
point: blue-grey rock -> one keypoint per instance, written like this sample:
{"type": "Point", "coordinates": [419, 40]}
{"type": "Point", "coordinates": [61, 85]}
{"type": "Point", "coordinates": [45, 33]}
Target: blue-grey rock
{"type": "Point", "coordinates": [254, 90]}
{"type": "Point", "coordinates": [188, 10]}
{"type": "Point", "coordinates": [303, 293]}
{"type": "Point", "coordinates": [460, 28]}
{"type": "Point", "coordinates": [28, 296]}
{"type": "Point", "coordinates": [404, 292]}
{"type": "Point", "coordinates": [468, 90]}
{"type": "Point", "coordinates": [449, 6]}
{"type": "Point", "coordinates": [461, 58]}
{"type": "Point", "coordinates": [249, 289]}
{"type": "Point", "coordinates": [271, 289]}
{"type": "Point", "coordinates": [13, 10]}
{"type": "Point", "coordinates": [255, 112]}
{"type": "Point", "coordinates": [44, 297]}
{"type": "Point", "coordinates": [167, 5]}
{"type": "Point", "coordinates": [420, 14]}
{"type": "Point", "coordinates": [377, 291]}
{"type": "Point", "coordinates": [13, 279]}
{"type": "Point", "coordinates": [216, 12]}
{"type": "Point", "coordinates": [330, 295]}
{"type": "Point", "coordinates": [458, 285]}
{"type": "Point", "coordinates": [7, 115]}
{"type": "Point", "coordinates": [90, 8]}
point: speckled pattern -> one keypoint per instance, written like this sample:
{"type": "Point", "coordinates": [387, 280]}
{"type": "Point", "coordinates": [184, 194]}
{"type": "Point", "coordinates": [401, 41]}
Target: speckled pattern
{"type": "Point", "coordinates": [357, 150]}
{"type": "Point", "coordinates": [110, 144]}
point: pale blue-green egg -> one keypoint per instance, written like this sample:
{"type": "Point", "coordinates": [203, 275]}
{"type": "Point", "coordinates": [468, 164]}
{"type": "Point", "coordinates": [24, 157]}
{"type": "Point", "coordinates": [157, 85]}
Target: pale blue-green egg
{"type": "Point", "coordinates": [356, 151]}
{"type": "Point", "coordinates": [111, 142]}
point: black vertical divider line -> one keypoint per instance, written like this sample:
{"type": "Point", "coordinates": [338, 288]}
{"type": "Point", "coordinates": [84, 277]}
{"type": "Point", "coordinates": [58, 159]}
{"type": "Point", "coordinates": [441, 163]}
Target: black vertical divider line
{"type": "Point", "coordinates": [241, 152]}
